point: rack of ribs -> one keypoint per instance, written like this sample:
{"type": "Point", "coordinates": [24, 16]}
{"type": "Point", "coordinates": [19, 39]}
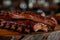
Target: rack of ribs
{"type": "Point", "coordinates": [26, 22]}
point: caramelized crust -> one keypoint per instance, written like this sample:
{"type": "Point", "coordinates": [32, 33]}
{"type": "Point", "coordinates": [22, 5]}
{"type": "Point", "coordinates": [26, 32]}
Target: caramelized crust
{"type": "Point", "coordinates": [26, 21]}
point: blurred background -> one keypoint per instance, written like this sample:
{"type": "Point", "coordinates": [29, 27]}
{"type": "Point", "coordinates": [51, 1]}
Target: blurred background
{"type": "Point", "coordinates": [50, 7]}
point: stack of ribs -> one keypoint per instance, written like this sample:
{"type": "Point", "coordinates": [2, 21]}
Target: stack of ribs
{"type": "Point", "coordinates": [26, 21]}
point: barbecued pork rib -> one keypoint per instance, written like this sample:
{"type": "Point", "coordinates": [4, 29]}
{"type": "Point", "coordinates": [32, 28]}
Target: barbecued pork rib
{"type": "Point", "coordinates": [26, 27]}
{"type": "Point", "coordinates": [34, 17]}
{"type": "Point", "coordinates": [24, 15]}
{"type": "Point", "coordinates": [9, 25]}
{"type": "Point", "coordinates": [31, 21]}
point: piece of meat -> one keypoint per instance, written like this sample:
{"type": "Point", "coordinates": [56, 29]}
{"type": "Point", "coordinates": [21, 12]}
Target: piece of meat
{"type": "Point", "coordinates": [39, 26]}
{"type": "Point", "coordinates": [34, 17]}
{"type": "Point", "coordinates": [28, 21]}
{"type": "Point", "coordinates": [3, 14]}
{"type": "Point", "coordinates": [2, 23]}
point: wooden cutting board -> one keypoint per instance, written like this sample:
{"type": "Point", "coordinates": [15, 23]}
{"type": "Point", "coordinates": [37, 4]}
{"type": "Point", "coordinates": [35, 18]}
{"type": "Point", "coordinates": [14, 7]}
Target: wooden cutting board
{"type": "Point", "coordinates": [4, 32]}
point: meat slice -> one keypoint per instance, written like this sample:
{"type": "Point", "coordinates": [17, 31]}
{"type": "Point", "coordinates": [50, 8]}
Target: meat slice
{"type": "Point", "coordinates": [39, 26]}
